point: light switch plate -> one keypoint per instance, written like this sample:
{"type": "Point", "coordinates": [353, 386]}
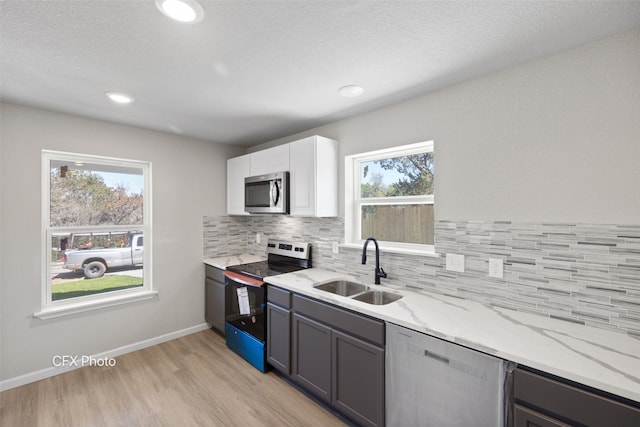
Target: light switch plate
{"type": "Point", "coordinates": [455, 262]}
{"type": "Point", "coordinates": [258, 238]}
{"type": "Point", "coordinates": [496, 268]}
{"type": "Point", "coordinates": [335, 248]}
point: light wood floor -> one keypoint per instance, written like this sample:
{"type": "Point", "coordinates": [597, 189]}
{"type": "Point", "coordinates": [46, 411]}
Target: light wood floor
{"type": "Point", "coordinates": [191, 381]}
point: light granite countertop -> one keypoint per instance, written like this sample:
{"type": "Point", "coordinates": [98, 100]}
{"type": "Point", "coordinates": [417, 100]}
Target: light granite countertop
{"type": "Point", "coordinates": [606, 360]}
{"type": "Point", "coordinates": [225, 261]}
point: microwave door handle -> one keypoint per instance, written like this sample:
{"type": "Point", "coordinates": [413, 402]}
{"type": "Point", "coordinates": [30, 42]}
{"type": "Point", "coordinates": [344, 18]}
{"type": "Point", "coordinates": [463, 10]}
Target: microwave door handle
{"type": "Point", "coordinates": [275, 192]}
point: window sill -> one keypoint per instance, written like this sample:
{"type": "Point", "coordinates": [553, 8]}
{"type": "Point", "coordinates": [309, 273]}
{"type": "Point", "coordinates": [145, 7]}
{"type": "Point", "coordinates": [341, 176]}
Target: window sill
{"type": "Point", "coordinates": [94, 304]}
{"type": "Point", "coordinates": [392, 249]}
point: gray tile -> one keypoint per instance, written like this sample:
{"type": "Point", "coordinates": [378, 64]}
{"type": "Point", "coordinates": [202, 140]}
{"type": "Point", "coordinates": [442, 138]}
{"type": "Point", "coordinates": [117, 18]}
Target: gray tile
{"type": "Point", "coordinates": [583, 273]}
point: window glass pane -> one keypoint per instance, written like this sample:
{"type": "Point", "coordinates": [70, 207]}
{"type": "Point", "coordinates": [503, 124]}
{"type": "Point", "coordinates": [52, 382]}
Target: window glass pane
{"type": "Point", "coordinates": [398, 223]}
{"type": "Point", "coordinates": [410, 175]}
{"type": "Point", "coordinates": [98, 211]}
{"type": "Point", "coordinates": [93, 194]}
{"type": "Point", "coordinates": [79, 262]}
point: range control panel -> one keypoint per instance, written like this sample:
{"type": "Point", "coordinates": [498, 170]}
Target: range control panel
{"type": "Point", "coordinates": [292, 249]}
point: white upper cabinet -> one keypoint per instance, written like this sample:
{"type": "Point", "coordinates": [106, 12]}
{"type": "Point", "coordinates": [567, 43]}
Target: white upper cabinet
{"type": "Point", "coordinates": [238, 169]}
{"type": "Point", "coordinates": [314, 177]}
{"type": "Point", "coordinates": [271, 160]}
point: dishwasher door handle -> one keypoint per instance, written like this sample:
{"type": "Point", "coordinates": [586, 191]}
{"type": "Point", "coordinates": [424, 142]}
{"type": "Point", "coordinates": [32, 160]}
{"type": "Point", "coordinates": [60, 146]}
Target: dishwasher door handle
{"type": "Point", "coordinates": [437, 357]}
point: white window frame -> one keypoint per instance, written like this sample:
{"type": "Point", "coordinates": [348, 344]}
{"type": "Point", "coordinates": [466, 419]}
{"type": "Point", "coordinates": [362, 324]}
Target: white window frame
{"type": "Point", "coordinates": [353, 201]}
{"type": "Point", "coordinates": [52, 309]}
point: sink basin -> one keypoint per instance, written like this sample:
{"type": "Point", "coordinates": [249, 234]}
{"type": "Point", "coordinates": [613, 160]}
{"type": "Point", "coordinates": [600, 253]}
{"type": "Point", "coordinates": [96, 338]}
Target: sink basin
{"type": "Point", "coordinates": [377, 297]}
{"type": "Point", "coordinates": [342, 287]}
{"type": "Point", "coordinates": [358, 292]}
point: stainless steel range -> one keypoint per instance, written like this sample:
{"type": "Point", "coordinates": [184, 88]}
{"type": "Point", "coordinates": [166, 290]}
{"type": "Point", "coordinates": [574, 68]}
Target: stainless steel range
{"type": "Point", "coordinates": [246, 298]}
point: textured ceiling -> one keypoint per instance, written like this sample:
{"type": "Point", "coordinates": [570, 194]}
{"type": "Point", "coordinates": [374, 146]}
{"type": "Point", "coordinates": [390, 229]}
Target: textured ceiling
{"type": "Point", "coordinates": [252, 71]}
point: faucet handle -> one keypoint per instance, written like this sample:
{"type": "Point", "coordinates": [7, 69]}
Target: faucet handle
{"type": "Point", "coordinates": [382, 274]}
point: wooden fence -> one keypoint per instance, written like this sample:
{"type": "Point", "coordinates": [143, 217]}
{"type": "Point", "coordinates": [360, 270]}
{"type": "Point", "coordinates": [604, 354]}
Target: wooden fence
{"type": "Point", "coordinates": [399, 223]}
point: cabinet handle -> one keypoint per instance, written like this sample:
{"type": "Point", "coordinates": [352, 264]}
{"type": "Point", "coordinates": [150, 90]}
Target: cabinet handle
{"type": "Point", "coordinates": [437, 357]}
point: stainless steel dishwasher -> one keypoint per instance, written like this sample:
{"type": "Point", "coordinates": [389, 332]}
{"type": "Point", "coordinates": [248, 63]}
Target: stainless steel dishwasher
{"type": "Point", "coordinates": [434, 383]}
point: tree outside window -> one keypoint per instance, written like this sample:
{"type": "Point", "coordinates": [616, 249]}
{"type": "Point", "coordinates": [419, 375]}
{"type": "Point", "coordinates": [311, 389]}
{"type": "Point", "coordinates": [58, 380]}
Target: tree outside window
{"type": "Point", "coordinates": [95, 217]}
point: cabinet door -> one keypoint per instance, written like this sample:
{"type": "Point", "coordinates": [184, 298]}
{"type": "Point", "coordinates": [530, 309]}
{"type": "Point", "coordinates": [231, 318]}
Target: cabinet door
{"type": "Point", "coordinates": [237, 171]}
{"type": "Point", "coordinates": [271, 160]}
{"type": "Point", "coordinates": [279, 338]}
{"type": "Point", "coordinates": [312, 356]}
{"type": "Point", "coordinates": [358, 379]}
{"type": "Point", "coordinates": [525, 417]}
{"type": "Point", "coordinates": [303, 177]}
{"type": "Point", "coordinates": [314, 177]}
{"type": "Point", "coordinates": [214, 307]}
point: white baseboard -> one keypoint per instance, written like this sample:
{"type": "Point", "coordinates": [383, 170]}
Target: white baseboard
{"type": "Point", "coordinates": [56, 370]}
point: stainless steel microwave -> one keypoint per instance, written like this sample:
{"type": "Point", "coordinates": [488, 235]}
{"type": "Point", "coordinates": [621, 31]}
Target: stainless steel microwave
{"type": "Point", "coordinates": [267, 193]}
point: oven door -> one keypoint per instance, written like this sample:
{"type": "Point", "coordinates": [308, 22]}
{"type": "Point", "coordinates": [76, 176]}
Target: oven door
{"type": "Point", "coordinates": [245, 304]}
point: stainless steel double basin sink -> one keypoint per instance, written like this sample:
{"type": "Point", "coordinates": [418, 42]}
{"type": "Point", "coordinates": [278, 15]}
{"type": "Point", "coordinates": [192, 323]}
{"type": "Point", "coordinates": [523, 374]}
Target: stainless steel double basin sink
{"type": "Point", "coordinates": [358, 292]}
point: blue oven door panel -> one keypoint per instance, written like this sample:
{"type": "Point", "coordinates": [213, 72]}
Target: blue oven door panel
{"type": "Point", "coordinates": [249, 348]}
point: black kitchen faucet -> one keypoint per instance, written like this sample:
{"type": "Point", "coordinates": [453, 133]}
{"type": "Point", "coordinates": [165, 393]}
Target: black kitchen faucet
{"type": "Point", "coordinates": [379, 271]}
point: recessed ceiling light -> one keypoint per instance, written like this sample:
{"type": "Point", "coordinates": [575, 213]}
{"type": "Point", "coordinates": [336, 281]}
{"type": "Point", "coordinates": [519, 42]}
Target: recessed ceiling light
{"type": "Point", "coordinates": [119, 98]}
{"type": "Point", "coordinates": [188, 11]}
{"type": "Point", "coordinates": [350, 91]}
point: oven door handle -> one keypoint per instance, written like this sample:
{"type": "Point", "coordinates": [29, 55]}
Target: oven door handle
{"type": "Point", "coordinates": [242, 279]}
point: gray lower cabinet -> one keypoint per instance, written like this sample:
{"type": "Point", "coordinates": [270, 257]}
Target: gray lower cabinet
{"type": "Point", "coordinates": [543, 401]}
{"type": "Point", "coordinates": [279, 329]}
{"type": "Point", "coordinates": [525, 417]}
{"type": "Point", "coordinates": [358, 379]}
{"type": "Point", "coordinates": [335, 354]}
{"type": "Point", "coordinates": [279, 338]}
{"type": "Point", "coordinates": [214, 297]}
{"type": "Point", "coordinates": [312, 355]}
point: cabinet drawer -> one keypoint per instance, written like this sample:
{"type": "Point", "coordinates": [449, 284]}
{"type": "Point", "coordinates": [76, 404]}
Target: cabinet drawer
{"type": "Point", "coordinates": [214, 273]}
{"type": "Point", "coordinates": [525, 417]}
{"type": "Point", "coordinates": [569, 402]}
{"type": "Point", "coordinates": [355, 324]}
{"type": "Point", "coordinates": [279, 296]}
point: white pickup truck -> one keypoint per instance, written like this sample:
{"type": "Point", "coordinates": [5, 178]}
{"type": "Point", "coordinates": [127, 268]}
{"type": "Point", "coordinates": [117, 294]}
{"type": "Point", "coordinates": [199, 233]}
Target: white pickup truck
{"type": "Point", "coordinates": [94, 262]}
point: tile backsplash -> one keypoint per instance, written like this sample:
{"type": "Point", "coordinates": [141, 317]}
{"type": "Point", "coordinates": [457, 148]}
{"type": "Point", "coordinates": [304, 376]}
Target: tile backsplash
{"type": "Point", "coordinates": [582, 273]}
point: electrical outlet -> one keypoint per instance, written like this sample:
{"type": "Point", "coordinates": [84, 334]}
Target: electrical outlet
{"type": "Point", "coordinates": [496, 268]}
{"type": "Point", "coordinates": [335, 248]}
{"type": "Point", "coordinates": [258, 238]}
{"type": "Point", "coordinates": [455, 262]}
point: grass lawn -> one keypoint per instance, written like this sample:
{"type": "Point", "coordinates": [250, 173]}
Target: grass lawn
{"type": "Point", "coordinates": [94, 286]}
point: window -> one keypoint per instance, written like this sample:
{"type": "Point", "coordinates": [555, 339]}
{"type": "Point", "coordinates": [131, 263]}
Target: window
{"type": "Point", "coordinates": [96, 221]}
{"type": "Point", "coordinates": [389, 196]}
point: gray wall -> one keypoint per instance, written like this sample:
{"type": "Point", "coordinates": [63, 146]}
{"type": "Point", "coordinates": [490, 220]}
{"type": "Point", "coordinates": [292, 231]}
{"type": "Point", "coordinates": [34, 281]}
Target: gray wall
{"type": "Point", "coordinates": [556, 139]}
{"type": "Point", "coordinates": [188, 182]}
